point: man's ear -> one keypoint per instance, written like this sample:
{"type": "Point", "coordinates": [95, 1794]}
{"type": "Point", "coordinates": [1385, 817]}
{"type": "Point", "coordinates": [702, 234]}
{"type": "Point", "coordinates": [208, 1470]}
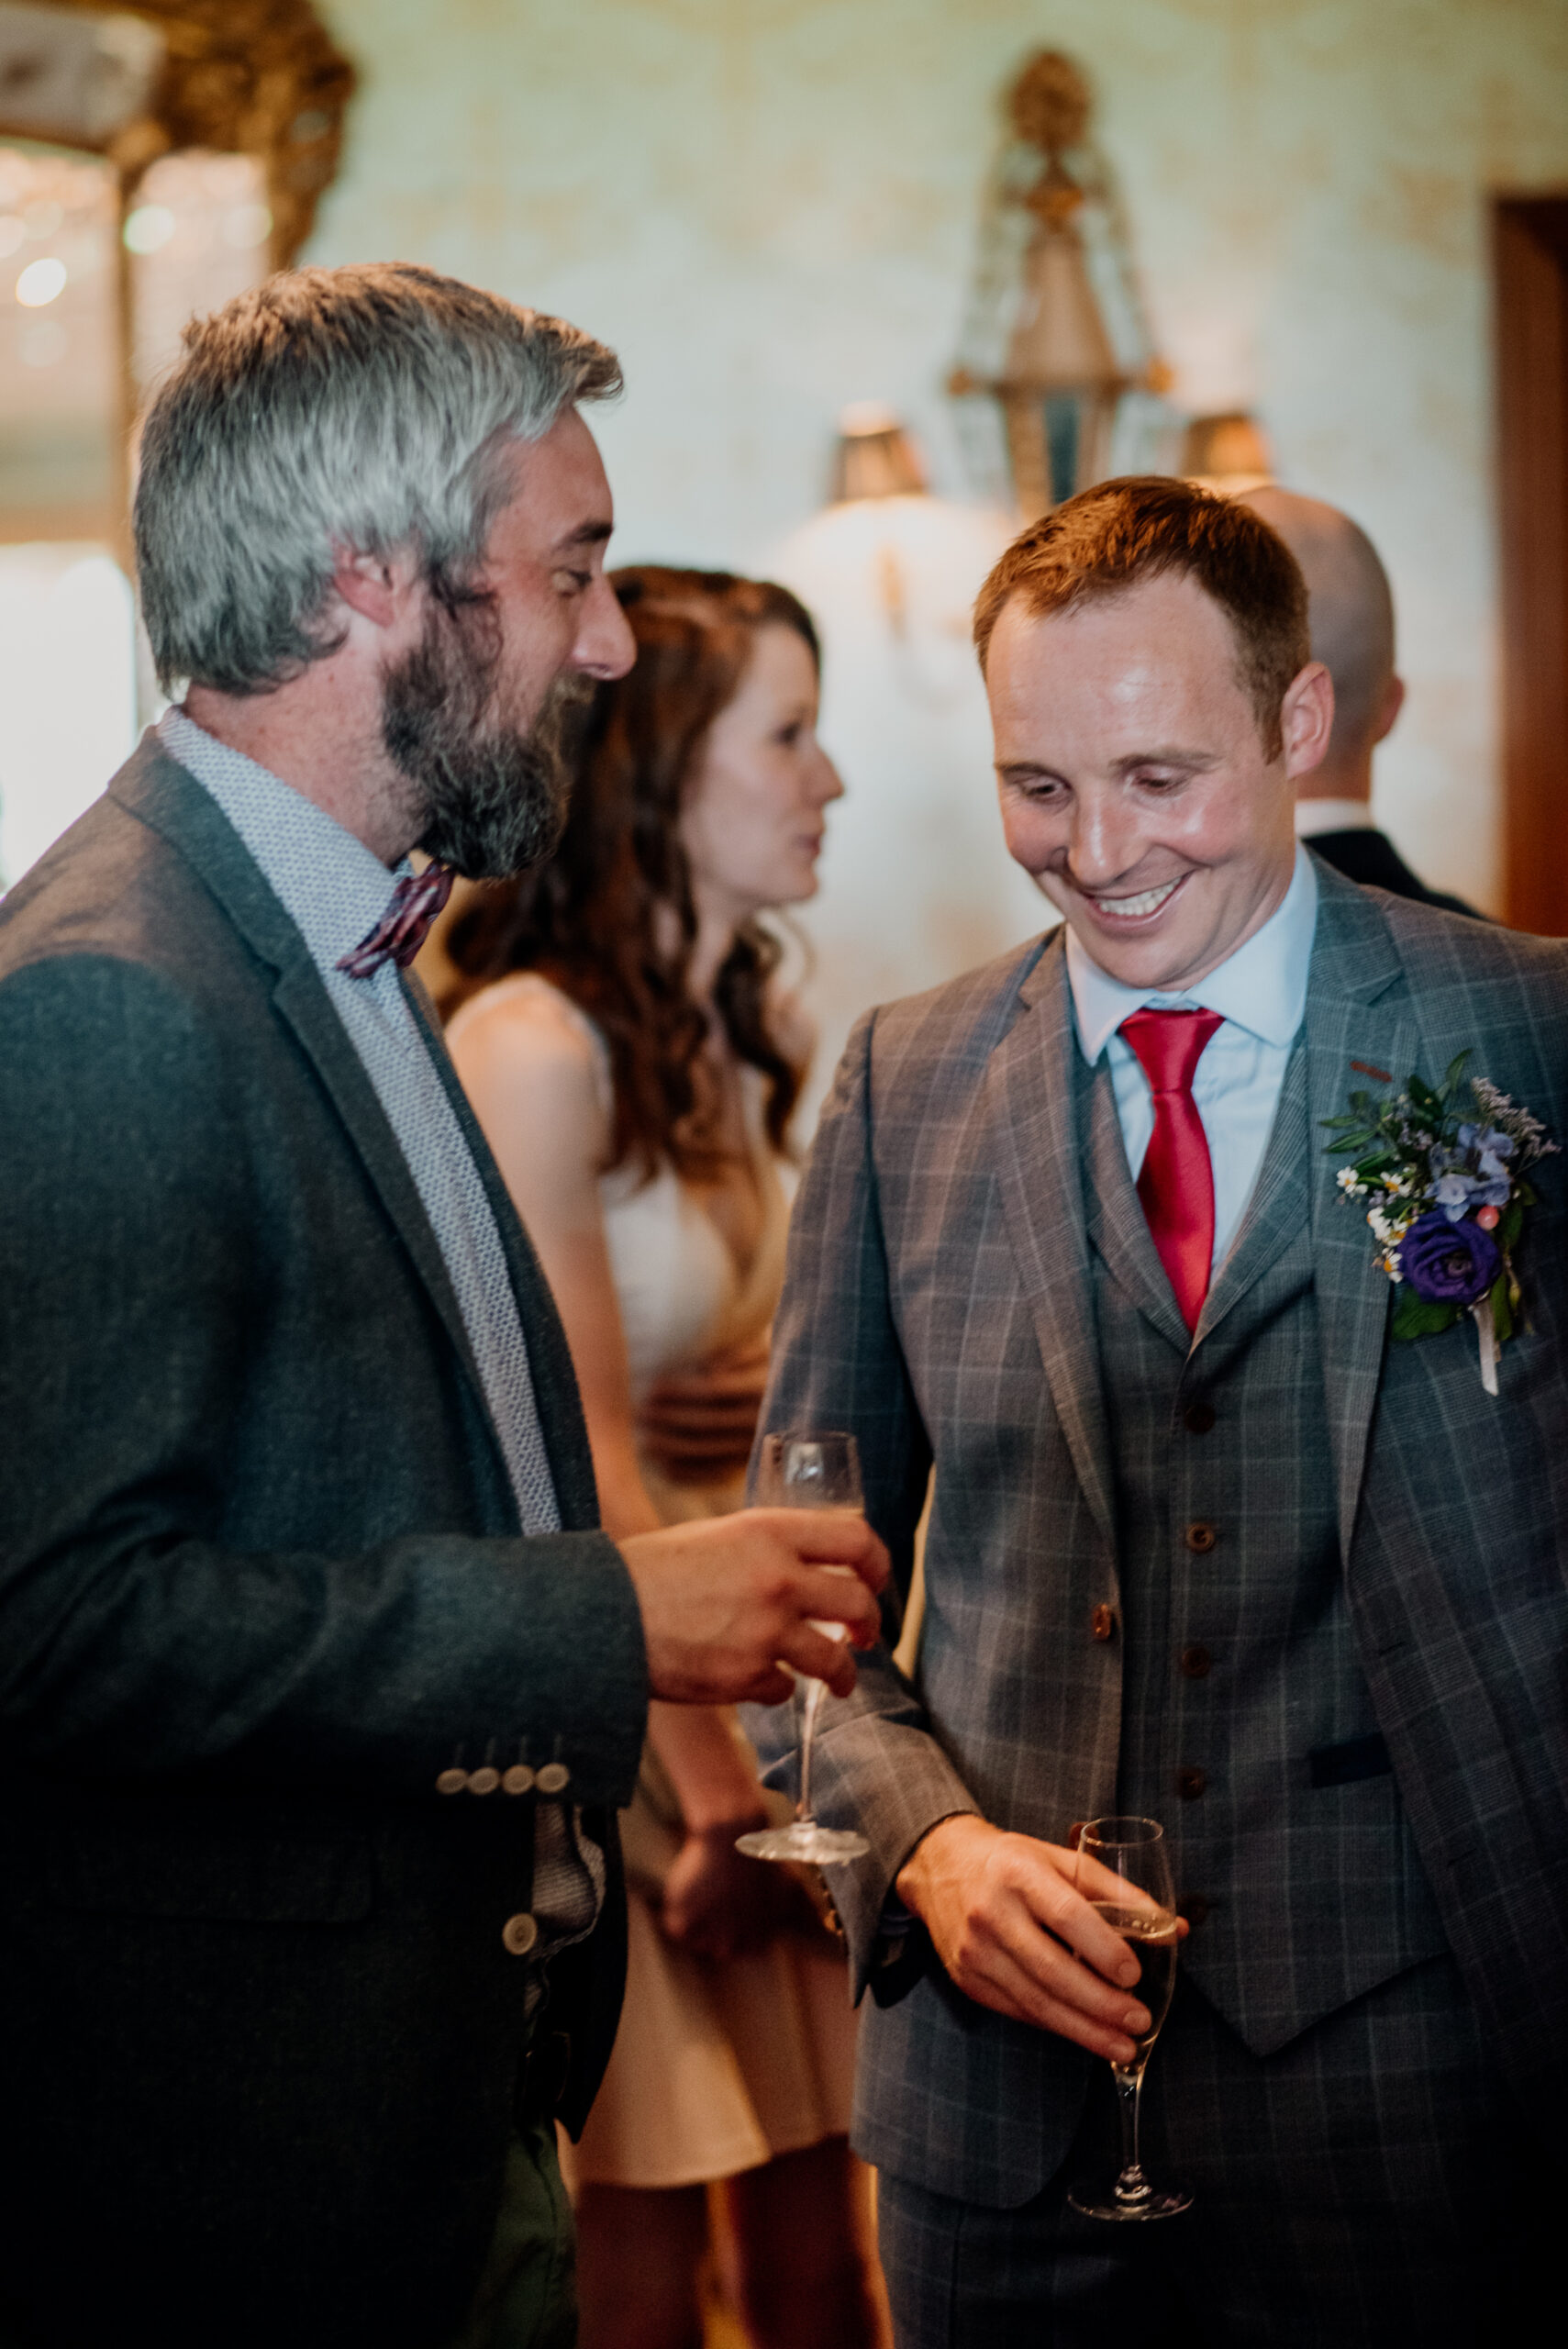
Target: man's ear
{"type": "Point", "coordinates": [375, 587]}
{"type": "Point", "coordinates": [1307, 719]}
{"type": "Point", "coordinates": [1388, 710]}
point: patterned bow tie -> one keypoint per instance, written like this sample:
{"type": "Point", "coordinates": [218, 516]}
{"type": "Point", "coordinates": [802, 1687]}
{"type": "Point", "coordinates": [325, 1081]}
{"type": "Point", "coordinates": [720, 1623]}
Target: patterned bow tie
{"type": "Point", "coordinates": [405, 926]}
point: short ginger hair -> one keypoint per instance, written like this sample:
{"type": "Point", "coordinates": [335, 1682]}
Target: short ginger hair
{"type": "Point", "coordinates": [1107, 538]}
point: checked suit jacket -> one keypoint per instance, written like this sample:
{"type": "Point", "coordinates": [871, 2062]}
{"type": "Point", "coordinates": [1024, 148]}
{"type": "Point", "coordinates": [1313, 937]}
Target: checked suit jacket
{"type": "Point", "coordinates": [261, 1582]}
{"type": "Point", "coordinates": [941, 1302]}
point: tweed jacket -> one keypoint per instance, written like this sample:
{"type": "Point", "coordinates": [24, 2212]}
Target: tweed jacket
{"type": "Point", "coordinates": [260, 1583]}
{"type": "Point", "coordinates": [939, 1302]}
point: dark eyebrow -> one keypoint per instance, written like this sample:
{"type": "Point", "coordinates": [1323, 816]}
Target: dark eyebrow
{"type": "Point", "coordinates": [586, 534]}
{"type": "Point", "coordinates": [1191, 762]}
{"type": "Point", "coordinates": [1194, 762]}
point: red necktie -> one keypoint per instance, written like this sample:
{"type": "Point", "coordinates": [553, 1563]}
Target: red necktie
{"type": "Point", "coordinates": [1176, 1184]}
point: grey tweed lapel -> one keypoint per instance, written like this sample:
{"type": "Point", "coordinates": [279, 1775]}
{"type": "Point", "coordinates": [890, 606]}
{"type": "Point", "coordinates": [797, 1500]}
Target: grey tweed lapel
{"type": "Point", "coordinates": [157, 788]}
{"type": "Point", "coordinates": [1361, 1033]}
{"type": "Point", "coordinates": [1030, 1088]}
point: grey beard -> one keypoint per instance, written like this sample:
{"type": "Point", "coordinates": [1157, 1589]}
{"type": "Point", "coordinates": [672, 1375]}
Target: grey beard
{"type": "Point", "coordinates": [493, 798]}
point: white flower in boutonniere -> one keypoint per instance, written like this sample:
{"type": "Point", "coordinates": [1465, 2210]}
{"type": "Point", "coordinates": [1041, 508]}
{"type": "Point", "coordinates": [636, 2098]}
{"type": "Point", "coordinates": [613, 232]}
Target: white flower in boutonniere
{"type": "Point", "coordinates": [1448, 1200]}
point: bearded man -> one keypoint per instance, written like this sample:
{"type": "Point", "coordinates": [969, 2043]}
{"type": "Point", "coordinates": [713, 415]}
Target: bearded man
{"type": "Point", "coordinates": [1220, 1535]}
{"type": "Point", "coordinates": [320, 1686]}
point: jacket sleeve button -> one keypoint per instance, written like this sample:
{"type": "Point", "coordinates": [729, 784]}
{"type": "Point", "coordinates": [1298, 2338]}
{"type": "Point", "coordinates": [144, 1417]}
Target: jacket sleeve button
{"type": "Point", "coordinates": [485, 1781]}
{"type": "Point", "coordinates": [553, 1779]}
{"type": "Point", "coordinates": [518, 1934]}
{"type": "Point", "coordinates": [451, 1781]}
{"type": "Point", "coordinates": [518, 1780]}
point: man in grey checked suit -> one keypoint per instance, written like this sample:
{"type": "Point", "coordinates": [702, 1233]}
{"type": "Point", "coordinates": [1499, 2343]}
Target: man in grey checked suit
{"type": "Point", "coordinates": [1204, 1544]}
{"type": "Point", "coordinates": [320, 1685]}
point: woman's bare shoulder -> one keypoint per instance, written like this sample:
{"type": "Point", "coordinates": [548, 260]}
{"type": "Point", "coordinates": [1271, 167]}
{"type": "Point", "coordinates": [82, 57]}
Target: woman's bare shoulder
{"type": "Point", "coordinates": [525, 1021]}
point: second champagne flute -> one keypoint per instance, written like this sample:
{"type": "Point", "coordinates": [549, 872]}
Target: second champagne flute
{"type": "Point", "coordinates": [1124, 1872]}
{"type": "Point", "coordinates": [817, 1469]}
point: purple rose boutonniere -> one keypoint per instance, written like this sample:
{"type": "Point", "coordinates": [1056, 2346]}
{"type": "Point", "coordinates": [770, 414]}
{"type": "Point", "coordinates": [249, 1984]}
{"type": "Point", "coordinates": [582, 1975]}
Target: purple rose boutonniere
{"type": "Point", "coordinates": [1441, 1170]}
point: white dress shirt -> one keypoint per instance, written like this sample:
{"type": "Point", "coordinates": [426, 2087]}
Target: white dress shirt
{"type": "Point", "coordinates": [1261, 993]}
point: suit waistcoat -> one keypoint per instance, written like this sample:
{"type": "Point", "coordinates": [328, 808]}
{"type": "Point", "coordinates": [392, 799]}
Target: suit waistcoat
{"type": "Point", "coordinates": [1247, 1724]}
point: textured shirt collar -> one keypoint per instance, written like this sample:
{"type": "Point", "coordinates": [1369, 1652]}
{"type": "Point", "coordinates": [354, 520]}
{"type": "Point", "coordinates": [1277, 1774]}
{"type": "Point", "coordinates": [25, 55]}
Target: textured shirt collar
{"type": "Point", "coordinates": [1262, 987]}
{"type": "Point", "coordinates": [335, 888]}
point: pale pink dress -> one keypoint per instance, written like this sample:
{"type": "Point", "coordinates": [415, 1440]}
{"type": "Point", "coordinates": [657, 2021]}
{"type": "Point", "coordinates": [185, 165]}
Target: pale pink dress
{"type": "Point", "coordinates": [718, 2066]}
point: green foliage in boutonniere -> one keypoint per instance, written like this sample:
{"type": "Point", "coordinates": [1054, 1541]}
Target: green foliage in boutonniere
{"type": "Point", "coordinates": [1443, 1169]}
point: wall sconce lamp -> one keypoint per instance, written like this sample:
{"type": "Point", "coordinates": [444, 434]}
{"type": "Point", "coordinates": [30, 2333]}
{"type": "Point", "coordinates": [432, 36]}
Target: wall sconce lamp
{"type": "Point", "coordinates": [1060, 380]}
{"type": "Point", "coordinates": [876, 457]}
{"type": "Point", "coordinates": [1230, 454]}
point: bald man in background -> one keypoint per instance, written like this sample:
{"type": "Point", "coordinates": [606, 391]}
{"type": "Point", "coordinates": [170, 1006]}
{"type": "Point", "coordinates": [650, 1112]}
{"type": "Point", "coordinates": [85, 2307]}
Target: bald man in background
{"type": "Point", "coordinates": [1351, 618]}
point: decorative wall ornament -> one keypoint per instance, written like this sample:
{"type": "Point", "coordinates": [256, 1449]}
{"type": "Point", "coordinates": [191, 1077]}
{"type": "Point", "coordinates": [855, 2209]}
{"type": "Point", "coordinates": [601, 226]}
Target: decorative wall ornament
{"type": "Point", "coordinates": [1055, 336]}
{"type": "Point", "coordinates": [258, 77]}
{"type": "Point", "coordinates": [173, 88]}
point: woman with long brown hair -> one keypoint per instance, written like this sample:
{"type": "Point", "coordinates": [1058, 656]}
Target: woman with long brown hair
{"type": "Point", "coordinates": [620, 1036]}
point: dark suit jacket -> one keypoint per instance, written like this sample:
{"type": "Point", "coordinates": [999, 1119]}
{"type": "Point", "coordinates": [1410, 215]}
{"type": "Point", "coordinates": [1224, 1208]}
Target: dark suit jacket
{"type": "Point", "coordinates": [939, 1303]}
{"type": "Point", "coordinates": [1370, 858]}
{"type": "Point", "coordinates": [261, 1580]}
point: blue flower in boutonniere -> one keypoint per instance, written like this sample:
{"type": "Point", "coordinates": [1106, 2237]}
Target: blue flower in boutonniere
{"type": "Point", "coordinates": [1449, 1263]}
{"type": "Point", "coordinates": [1446, 1200]}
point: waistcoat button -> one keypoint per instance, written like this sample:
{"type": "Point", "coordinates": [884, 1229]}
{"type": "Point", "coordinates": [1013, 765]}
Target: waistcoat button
{"type": "Point", "coordinates": [518, 1934]}
{"type": "Point", "coordinates": [1194, 1907]}
{"type": "Point", "coordinates": [1102, 1623]}
{"type": "Point", "coordinates": [1191, 1781]}
{"type": "Point", "coordinates": [1197, 1662]}
{"type": "Point", "coordinates": [1201, 1537]}
{"type": "Point", "coordinates": [1198, 1418]}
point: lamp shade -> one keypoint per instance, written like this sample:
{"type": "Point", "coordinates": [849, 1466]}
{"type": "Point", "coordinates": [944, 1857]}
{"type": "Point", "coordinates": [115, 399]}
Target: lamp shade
{"type": "Point", "coordinates": [876, 457]}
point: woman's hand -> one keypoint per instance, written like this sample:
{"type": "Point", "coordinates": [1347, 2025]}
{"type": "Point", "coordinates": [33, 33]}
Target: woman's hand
{"type": "Point", "coordinates": [717, 1902]}
{"type": "Point", "coordinates": [697, 1426]}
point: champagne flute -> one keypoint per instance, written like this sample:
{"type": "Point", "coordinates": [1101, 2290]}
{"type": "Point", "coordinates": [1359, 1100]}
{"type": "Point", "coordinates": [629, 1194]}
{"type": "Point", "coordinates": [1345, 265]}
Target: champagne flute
{"type": "Point", "coordinates": [1124, 1872]}
{"type": "Point", "coordinates": [817, 1469]}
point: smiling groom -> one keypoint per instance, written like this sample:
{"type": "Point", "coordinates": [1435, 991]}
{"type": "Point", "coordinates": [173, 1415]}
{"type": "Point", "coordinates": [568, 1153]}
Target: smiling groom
{"type": "Point", "coordinates": [1206, 1544]}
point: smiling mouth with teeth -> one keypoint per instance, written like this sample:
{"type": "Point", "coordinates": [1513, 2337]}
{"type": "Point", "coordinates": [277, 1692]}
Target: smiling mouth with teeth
{"type": "Point", "coordinates": [1134, 908]}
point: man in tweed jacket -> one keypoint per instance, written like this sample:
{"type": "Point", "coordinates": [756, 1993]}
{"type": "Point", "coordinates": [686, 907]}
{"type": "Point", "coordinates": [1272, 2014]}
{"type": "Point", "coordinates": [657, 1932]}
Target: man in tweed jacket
{"type": "Point", "coordinates": [1211, 1549]}
{"type": "Point", "coordinates": [318, 1683]}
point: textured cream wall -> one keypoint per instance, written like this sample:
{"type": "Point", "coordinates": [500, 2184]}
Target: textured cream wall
{"type": "Point", "coordinates": [768, 205]}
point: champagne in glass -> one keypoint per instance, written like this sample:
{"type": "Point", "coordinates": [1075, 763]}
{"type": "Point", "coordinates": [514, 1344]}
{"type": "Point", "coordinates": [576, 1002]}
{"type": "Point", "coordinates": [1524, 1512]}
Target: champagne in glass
{"type": "Point", "coordinates": [1124, 1872]}
{"type": "Point", "coordinates": [819, 1470]}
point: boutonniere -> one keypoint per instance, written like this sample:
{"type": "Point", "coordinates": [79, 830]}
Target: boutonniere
{"type": "Point", "coordinates": [1442, 1171]}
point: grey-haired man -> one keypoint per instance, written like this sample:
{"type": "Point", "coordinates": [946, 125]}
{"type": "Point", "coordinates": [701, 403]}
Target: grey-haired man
{"type": "Point", "coordinates": [320, 1686]}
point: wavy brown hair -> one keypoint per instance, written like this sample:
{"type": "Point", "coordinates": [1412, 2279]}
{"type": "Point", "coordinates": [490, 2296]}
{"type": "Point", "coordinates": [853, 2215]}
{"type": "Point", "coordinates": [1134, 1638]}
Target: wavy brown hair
{"type": "Point", "coordinates": [597, 918]}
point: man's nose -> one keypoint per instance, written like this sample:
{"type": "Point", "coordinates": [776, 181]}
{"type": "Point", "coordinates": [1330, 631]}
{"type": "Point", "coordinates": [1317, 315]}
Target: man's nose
{"type": "Point", "coordinates": [604, 645]}
{"type": "Point", "coordinates": [1102, 839]}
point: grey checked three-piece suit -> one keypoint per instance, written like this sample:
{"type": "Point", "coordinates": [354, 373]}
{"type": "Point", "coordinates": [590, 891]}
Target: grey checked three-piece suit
{"type": "Point", "coordinates": [1294, 1590]}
